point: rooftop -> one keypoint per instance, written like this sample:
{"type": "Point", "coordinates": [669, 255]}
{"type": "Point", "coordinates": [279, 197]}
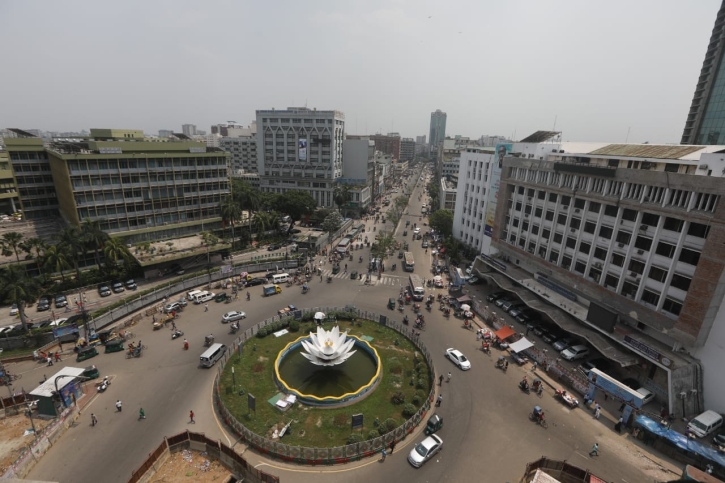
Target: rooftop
{"type": "Point", "coordinates": [47, 388]}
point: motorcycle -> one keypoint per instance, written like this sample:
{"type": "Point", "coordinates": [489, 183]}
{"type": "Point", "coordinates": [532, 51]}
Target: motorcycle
{"type": "Point", "coordinates": [419, 324]}
{"type": "Point", "coordinates": [186, 345]}
{"type": "Point", "coordinates": [486, 348]}
{"type": "Point", "coordinates": [405, 320]}
{"type": "Point", "coordinates": [524, 386]}
{"type": "Point", "coordinates": [103, 385]}
{"type": "Point", "coordinates": [428, 307]}
{"type": "Point", "coordinates": [176, 334]}
{"type": "Point", "coordinates": [500, 363]}
{"type": "Point", "coordinates": [394, 265]}
{"type": "Point", "coordinates": [360, 260]}
{"type": "Point", "coordinates": [233, 328]}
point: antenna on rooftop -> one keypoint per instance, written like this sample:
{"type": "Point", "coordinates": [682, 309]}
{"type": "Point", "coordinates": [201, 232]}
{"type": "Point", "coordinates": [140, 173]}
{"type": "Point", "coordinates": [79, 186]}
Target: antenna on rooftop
{"type": "Point", "coordinates": [555, 117]}
{"type": "Point", "coordinates": [627, 138]}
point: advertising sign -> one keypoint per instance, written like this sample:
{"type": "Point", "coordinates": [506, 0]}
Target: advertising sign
{"type": "Point", "coordinates": [501, 151]}
{"type": "Point", "coordinates": [599, 380]}
{"type": "Point", "coordinates": [357, 421]}
{"type": "Point", "coordinates": [251, 403]}
{"type": "Point", "coordinates": [59, 332]}
{"type": "Point", "coordinates": [302, 148]}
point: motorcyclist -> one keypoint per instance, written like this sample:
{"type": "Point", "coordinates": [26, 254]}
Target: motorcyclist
{"type": "Point", "coordinates": [186, 344]}
{"type": "Point", "coordinates": [247, 294]}
{"type": "Point", "coordinates": [541, 416]}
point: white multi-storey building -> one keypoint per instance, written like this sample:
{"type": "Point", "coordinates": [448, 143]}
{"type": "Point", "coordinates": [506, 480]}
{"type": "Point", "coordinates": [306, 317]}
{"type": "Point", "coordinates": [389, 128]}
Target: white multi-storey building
{"type": "Point", "coordinates": [241, 142]}
{"type": "Point", "coordinates": [472, 198]}
{"type": "Point", "coordinates": [300, 149]}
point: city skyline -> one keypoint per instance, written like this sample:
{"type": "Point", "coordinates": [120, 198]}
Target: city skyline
{"type": "Point", "coordinates": [533, 75]}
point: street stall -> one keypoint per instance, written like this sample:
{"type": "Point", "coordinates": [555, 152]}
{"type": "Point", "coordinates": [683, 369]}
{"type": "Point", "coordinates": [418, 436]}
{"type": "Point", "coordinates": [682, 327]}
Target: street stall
{"type": "Point", "coordinates": [502, 334]}
{"type": "Point", "coordinates": [67, 383]}
{"type": "Point", "coordinates": [518, 350]}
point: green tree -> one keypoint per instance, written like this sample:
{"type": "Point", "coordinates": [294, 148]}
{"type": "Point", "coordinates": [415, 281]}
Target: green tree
{"type": "Point", "coordinates": [247, 198]}
{"type": "Point", "coordinates": [332, 223]}
{"type": "Point", "coordinates": [70, 240]}
{"type": "Point", "coordinates": [17, 287]}
{"type": "Point", "coordinates": [442, 222]}
{"type": "Point", "coordinates": [35, 247]}
{"type": "Point", "coordinates": [264, 221]}
{"type": "Point", "coordinates": [341, 195]}
{"type": "Point", "coordinates": [94, 237]}
{"type": "Point", "coordinates": [56, 260]}
{"type": "Point", "coordinates": [295, 204]}
{"type": "Point", "coordinates": [12, 243]}
{"type": "Point", "coordinates": [319, 215]}
{"type": "Point", "coordinates": [384, 246]}
{"type": "Point", "coordinates": [115, 250]}
{"type": "Point", "coordinates": [230, 211]}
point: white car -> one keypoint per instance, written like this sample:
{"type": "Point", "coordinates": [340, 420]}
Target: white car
{"type": "Point", "coordinates": [425, 450]}
{"type": "Point", "coordinates": [458, 359]}
{"type": "Point", "coordinates": [58, 322]}
{"type": "Point", "coordinates": [232, 316]}
{"type": "Point", "coordinates": [575, 352]}
{"type": "Point", "coordinates": [417, 230]}
{"type": "Point", "coordinates": [172, 307]}
{"type": "Point", "coordinates": [14, 309]}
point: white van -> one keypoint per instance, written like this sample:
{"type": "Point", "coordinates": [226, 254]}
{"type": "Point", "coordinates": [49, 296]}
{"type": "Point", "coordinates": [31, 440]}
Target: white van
{"type": "Point", "coordinates": [212, 354]}
{"type": "Point", "coordinates": [204, 297]}
{"type": "Point", "coordinates": [280, 278]}
{"type": "Point", "coordinates": [705, 423]}
{"type": "Point", "coordinates": [191, 295]}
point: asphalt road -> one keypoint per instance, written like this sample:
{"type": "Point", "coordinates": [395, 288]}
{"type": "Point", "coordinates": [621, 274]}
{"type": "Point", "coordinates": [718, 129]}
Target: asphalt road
{"type": "Point", "coordinates": [486, 428]}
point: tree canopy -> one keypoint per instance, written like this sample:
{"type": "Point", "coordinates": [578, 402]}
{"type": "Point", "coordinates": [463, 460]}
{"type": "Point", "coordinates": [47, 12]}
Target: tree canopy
{"type": "Point", "coordinates": [332, 222]}
{"type": "Point", "coordinates": [295, 204]}
{"type": "Point", "coordinates": [442, 222]}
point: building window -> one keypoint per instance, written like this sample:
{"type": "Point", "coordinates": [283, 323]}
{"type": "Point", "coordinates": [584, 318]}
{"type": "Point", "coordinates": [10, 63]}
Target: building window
{"type": "Point", "coordinates": [538, 211]}
{"type": "Point", "coordinates": [570, 242]}
{"type": "Point", "coordinates": [611, 281]}
{"type": "Point", "coordinates": [546, 234]}
{"type": "Point", "coordinates": [629, 215]}
{"type": "Point", "coordinates": [585, 247]}
{"type": "Point", "coordinates": [605, 232]}
{"type": "Point", "coordinates": [672, 306]}
{"type": "Point", "coordinates": [611, 210]}
{"type": "Point", "coordinates": [535, 229]}
{"type": "Point", "coordinates": [561, 219]}
{"type": "Point", "coordinates": [600, 253]}
{"type": "Point", "coordinates": [552, 197]}
{"type": "Point", "coordinates": [553, 256]}
{"type": "Point", "coordinates": [643, 243]}
{"type": "Point", "coordinates": [629, 289]}
{"type": "Point", "coordinates": [673, 224]}
{"type": "Point", "coordinates": [549, 215]}
{"type": "Point", "coordinates": [594, 207]}
{"type": "Point", "coordinates": [681, 282]}
{"type": "Point", "coordinates": [665, 249]}
{"type": "Point", "coordinates": [525, 226]}
{"type": "Point", "coordinates": [580, 267]}
{"type": "Point", "coordinates": [558, 237]}
{"type": "Point", "coordinates": [698, 229]}
{"type": "Point", "coordinates": [575, 223]}
{"type": "Point", "coordinates": [636, 266]}
{"type": "Point", "coordinates": [650, 219]}
{"type": "Point", "coordinates": [590, 227]}
{"type": "Point", "coordinates": [618, 259]}
{"type": "Point", "coordinates": [579, 203]}
{"type": "Point", "coordinates": [650, 297]}
{"type": "Point", "coordinates": [624, 237]}
{"type": "Point", "coordinates": [690, 257]}
{"type": "Point", "coordinates": [595, 274]}
{"type": "Point", "coordinates": [516, 222]}
{"type": "Point", "coordinates": [566, 200]}
{"type": "Point", "coordinates": [542, 195]}
{"type": "Point", "coordinates": [566, 262]}
{"type": "Point", "coordinates": [658, 274]}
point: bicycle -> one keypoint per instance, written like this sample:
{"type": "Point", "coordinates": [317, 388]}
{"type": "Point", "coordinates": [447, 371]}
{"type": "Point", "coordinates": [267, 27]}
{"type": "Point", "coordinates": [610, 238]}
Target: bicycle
{"type": "Point", "coordinates": [128, 335]}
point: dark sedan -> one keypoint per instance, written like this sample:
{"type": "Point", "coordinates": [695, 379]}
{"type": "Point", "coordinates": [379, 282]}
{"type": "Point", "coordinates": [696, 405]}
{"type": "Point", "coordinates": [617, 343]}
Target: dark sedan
{"type": "Point", "coordinates": [553, 335]}
{"type": "Point", "coordinates": [43, 303]}
{"type": "Point", "coordinates": [256, 281]}
{"type": "Point", "coordinates": [495, 296]}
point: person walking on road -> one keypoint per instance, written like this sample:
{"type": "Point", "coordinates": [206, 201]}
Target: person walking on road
{"type": "Point", "coordinates": [439, 400]}
{"type": "Point", "coordinates": [449, 377]}
{"type": "Point", "coordinates": [118, 405]}
{"type": "Point", "coordinates": [191, 417]}
{"type": "Point", "coordinates": [141, 414]}
{"type": "Point", "coordinates": [392, 446]}
{"type": "Point", "coordinates": [206, 307]}
{"type": "Point", "coordinates": [595, 450]}
{"type": "Point", "coordinates": [94, 420]}
{"type": "Point", "coordinates": [383, 455]}
{"type": "Point", "coordinates": [440, 380]}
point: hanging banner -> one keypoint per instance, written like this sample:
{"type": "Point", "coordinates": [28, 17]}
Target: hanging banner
{"type": "Point", "coordinates": [501, 151]}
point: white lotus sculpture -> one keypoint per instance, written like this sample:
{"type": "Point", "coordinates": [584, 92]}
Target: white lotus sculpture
{"type": "Point", "coordinates": [328, 348]}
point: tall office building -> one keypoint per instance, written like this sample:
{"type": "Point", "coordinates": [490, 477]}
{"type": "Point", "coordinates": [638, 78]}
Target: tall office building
{"type": "Point", "coordinates": [29, 161]}
{"type": "Point", "coordinates": [188, 129]}
{"type": "Point", "coordinates": [300, 149]}
{"type": "Point", "coordinates": [437, 128]}
{"type": "Point", "coordinates": [706, 120]}
{"type": "Point", "coordinates": [407, 149]}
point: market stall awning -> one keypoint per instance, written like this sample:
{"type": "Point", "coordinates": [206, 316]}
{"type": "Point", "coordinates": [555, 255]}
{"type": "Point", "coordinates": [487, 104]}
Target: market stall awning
{"type": "Point", "coordinates": [521, 345]}
{"type": "Point", "coordinates": [504, 332]}
{"type": "Point", "coordinates": [464, 300]}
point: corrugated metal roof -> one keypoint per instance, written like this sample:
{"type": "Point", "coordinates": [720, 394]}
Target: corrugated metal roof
{"type": "Point", "coordinates": [46, 388]}
{"type": "Point", "coordinates": [646, 151]}
{"type": "Point", "coordinates": [540, 136]}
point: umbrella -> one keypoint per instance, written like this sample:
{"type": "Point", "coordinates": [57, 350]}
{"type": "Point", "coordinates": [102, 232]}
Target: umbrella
{"type": "Point", "coordinates": [465, 307]}
{"type": "Point", "coordinates": [319, 316]}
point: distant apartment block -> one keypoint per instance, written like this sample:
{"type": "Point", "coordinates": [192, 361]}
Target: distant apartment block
{"type": "Point", "coordinates": [437, 129]}
{"type": "Point", "coordinates": [407, 149]}
{"type": "Point", "coordinates": [189, 129]}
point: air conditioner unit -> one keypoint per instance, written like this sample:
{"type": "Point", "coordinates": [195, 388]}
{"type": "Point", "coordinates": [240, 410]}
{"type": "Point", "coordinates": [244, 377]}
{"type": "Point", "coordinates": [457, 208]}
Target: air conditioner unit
{"type": "Point", "coordinates": [640, 252]}
{"type": "Point", "coordinates": [633, 274]}
{"type": "Point", "coordinates": [573, 230]}
{"type": "Point", "coordinates": [702, 166]}
{"type": "Point", "coordinates": [526, 215]}
{"type": "Point", "coordinates": [565, 207]}
{"type": "Point", "coordinates": [620, 245]}
{"type": "Point", "coordinates": [577, 210]}
{"type": "Point", "coordinates": [597, 265]}
{"type": "Point", "coordinates": [643, 228]}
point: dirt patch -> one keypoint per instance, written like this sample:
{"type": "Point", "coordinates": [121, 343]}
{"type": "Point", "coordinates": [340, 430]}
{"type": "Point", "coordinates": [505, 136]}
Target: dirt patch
{"type": "Point", "coordinates": [257, 367]}
{"type": "Point", "coordinates": [190, 466]}
{"type": "Point", "coordinates": [12, 439]}
{"type": "Point", "coordinates": [319, 422]}
{"type": "Point", "coordinates": [262, 359]}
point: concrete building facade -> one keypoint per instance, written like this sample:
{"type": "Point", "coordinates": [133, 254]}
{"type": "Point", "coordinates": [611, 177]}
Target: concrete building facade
{"type": "Point", "coordinates": [437, 129]}
{"type": "Point", "coordinates": [36, 192]}
{"type": "Point", "coordinates": [189, 129]}
{"type": "Point", "coordinates": [634, 237]}
{"type": "Point", "coordinates": [300, 149]}
{"type": "Point", "coordinates": [407, 149]}
{"type": "Point", "coordinates": [448, 194]}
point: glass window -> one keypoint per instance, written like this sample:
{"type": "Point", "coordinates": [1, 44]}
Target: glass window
{"type": "Point", "coordinates": [594, 207]}
{"type": "Point", "coordinates": [611, 280]}
{"type": "Point", "coordinates": [546, 233]}
{"type": "Point", "coordinates": [611, 210]}
{"type": "Point", "coordinates": [665, 249]}
{"type": "Point", "coordinates": [552, 197]}
{"type": "Point", "coordinates": [698, 229]}
{"type": "Point", "coordinates": [561, 219]}
{"type": "Point", "coordinates": [690, 257]}
{"type": "Point", "coordinates": [575, 223]}
{"type": "Point", "coordinates": [549, 215]}
{"type": "Point", "coordinates": [643, 243]}
{"type": "Point", "coordinates": [673, 224]}
{"type": "Point", "coordinates": [636, 266]}
{"type": "Point", "coordinates": [566, 261]}
{"type": "Point", "coordinates": [650, 297]}
{"type": "Point", "coordinates": [570, 242]}
{"type": "Point", "coordinates": [659, 274]}
{"type": "Point", "coordinates": [672, 306]}
{"type": "Point", "coordinates": [585, 247]}
{"type": "Point", "coordinates": [606, 232]}
{"type": "Point", "coordinates": [558, 237]}
{"type": "Point", "coordinates": [579, 203]}
{"type": "Point", "coordinates": [624, 237]}
{"type": "Point", "coordinates": [538, 211]}
{"type": "Point", "coordinates": [590, 227]}
{"type": "Point", "coordinates": [681, 282]}
{"type": "Point", "coordinates": [580, 267]}
{"type": "Point", "coordinates": [650, 219]}
{"type": "Point", "coordinates": [600, 253]}
{"type": "Point", "coordinates": [630, 215]}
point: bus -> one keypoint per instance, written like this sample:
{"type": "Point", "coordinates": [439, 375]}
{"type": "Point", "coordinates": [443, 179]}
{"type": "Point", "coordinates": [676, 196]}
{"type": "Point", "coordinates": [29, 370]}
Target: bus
{"type": "Point", "coordinates": [343, 248]}
{"type": "Point", "coordinates": [416, 287]}
{"type": "Point", "coordinates": [408, 262]}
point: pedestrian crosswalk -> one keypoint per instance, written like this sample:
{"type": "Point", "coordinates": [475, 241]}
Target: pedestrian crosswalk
{"type": "Point", "coordinates": [391, 280]}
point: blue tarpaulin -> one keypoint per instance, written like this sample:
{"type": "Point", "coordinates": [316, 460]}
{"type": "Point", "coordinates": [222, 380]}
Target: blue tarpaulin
{"type": "Point", "coordinates": [680, 440]}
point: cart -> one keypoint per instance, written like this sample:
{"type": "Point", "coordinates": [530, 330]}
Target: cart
{"type": "Point", "coordinates": [435, 423]}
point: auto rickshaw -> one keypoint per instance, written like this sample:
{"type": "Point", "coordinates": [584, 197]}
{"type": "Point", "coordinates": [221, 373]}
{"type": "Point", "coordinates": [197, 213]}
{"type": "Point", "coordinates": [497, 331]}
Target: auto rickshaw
{"type": "Point", "coordinates": [336, 268]}
{"type": "Point", "coordinates": [391, 303]}
{"type": "Point", "coordinates": [91, 372]}
{"type": "Point", "coordinates": [435, 423]}
{"type": "Point", "coordinates": [400, 254]}
{"type": "Point", "coordinates": [208, 340]}
{"type": "Point", "coordinates": [220, 297]}
{"type": "Point", "coordinates": [86, 353]}
{"type": "Point", "coordinates": [353, 275]}
{"type": "Point", "coordinates": [405, 246]}
{"type": "Point", "coordinates": [114, 345]}
{"type": "Point", "coordinates": [105, 335]}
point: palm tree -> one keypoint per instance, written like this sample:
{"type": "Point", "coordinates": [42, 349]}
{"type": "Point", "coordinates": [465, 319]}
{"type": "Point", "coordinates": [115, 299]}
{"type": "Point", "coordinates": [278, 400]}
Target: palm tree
{"type": "Point", "coordinates": [18, 288]}
{"type": "Point", "coordinates": [70, 239]}
{"type": "Point", "coordinates": [55, 259]}
{"type": "Point", "coordinates": [94, 237]}
{"type": "Point", "coordinates": [11, 243]}
{"type": "Point", "coordinates": [230, 211]}
{"type": "Point", "coordinates": [264, 221]}
{"type": "Point", "coordinates": [341, 196]}
{"type": "Point", "coordinates": [115, 250]}
{"type": "Point", "coordinates": [35, 247]}
{"type": "Point", "coordinates": [249, 200]}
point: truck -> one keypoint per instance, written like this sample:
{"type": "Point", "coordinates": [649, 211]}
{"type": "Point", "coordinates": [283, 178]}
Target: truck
{"type": "Point", "coordinates": [271, 289]}
{"type": "Point", "coordinates": [408, 262]}
{"type": "Point", "coordinates": [416, 287]}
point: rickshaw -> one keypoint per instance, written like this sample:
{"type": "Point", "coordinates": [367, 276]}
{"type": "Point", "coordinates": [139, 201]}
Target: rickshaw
{"type": "Point", "coordinates": [105, 335]}
{"type": "Point", "coordinates": [208, 340]}
{"type": "Point", "coordinates": [353, 275]}
{"type": "Point", "coordinates": [91, 372]}
{"type": "Point", "coordinates": [305, 288]}
{"type": "Point", "coordinates": [114, 345]}
{"type": "Point", "coordinates": [435, 423]}
{"type": "Point", "coordinates": [86, 353]}
{"type": "Point", "coordinates": [134, 352]}
{"type": "Point", "coordinates": [538, 416]}
{"type": "Point", "coordinates": [220, 297]}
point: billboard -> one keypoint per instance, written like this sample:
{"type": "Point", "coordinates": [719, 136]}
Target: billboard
{"type": "Point", "coordinates": [302, 148]}
{"type": "Point", "coordinates": [501, 151]}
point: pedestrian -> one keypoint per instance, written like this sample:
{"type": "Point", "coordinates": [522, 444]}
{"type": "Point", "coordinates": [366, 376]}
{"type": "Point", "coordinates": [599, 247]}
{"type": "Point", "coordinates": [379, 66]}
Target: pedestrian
{"type": "Point", "coordinates": [528, 329]}
{"type": "Point", "coordinates": [383, 454]}
{"type": "Point", "coordinates": [595, 450]}
{"type": "Point", "coordinates": [94, 420]}
{"type": "Point", "coordinates": [141, 414]}
{"type": "Point", "coordinates": [618, 426]}
{"type": "Point", "coordinates": [153, 319]}
{"type": "Point", "coordinates": [206, 307]}
{"type": "Point", "coordinates": [191, 417]}
{"type": "Point", "coordinates": [173, 325]}
{"type": "Point", "coordinates": [449, 377]}
{"type": "Point", "coordinates": [118, 405]}
{"type": "Point", "coordinates": [439, 400]}
{"type": "Point", "coordinates": [597, 412]}
{"type": "Point", "coordinates": [606, 396]}
{"type": "Point", "coordinates": [505, 366]}
{"type": "Point", "coordinates": [621, 408]}
{"type": "Point", "coordinates": [392, 447]}
{"type": "Point", "coordinates": [663, 411]}
{"type": "Point", "coordinates": [597, 406]}
{"type": "Point", "coordinates": [440, 380]}
{"type": "Point", "coordinates": [57, 356]}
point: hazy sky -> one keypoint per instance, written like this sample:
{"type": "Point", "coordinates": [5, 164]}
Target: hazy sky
{"type": "Point", "coordinates": [496, 67]}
